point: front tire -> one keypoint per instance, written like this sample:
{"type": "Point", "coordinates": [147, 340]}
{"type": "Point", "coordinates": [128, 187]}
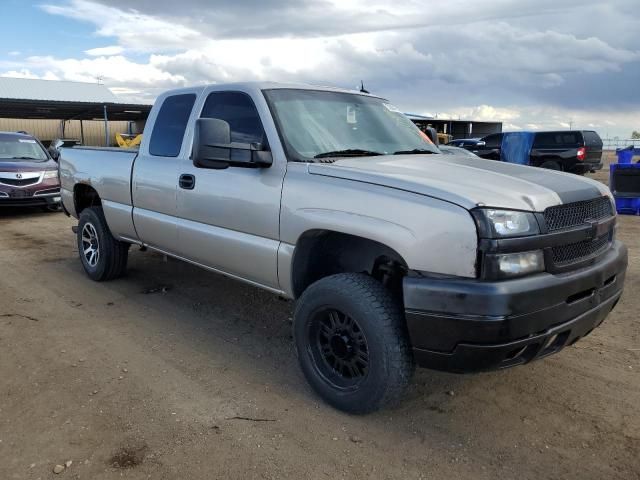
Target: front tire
{"type": "Point", "coordinates": [352, 343]}
{"type": "Point", "coordinates": [102, 256]}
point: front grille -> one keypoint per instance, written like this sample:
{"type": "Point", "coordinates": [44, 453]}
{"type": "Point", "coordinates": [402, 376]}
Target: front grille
{"type": "Point", "coordinates": [21, 182]}
{"type": "Point", "coordinates": [573, 252]}
{"type": "Point", "coordinates": [575, 214]}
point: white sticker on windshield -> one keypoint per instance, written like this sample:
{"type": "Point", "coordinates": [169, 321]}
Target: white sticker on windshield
{"type": "Point", "coordinates": [26, 140]}
{"type": "Point", "coordinates": [351, 115]}
{"type": "Point", "coordinates": [391, 108]}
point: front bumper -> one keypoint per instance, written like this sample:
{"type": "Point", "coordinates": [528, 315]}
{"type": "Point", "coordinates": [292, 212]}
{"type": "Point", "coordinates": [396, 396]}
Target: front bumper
{"type": "Point", "coordinates": [30, 201]}
{"type": "Point", "coordinates": [463, 325]}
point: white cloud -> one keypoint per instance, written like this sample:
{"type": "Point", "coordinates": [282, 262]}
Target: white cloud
{"type": "Point", "coordinates": [105, 51]}
{"type": "Point", "coordinates": [134, 30]}
{"type": "Point", "coordinates": [25, 73]}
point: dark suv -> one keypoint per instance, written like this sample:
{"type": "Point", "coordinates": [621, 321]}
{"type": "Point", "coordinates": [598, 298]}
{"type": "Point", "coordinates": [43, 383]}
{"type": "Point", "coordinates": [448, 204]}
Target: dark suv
{"type": "Point", "coordinates": [28, 174]}
{"type": "Point", "coordinates": [575, 151]}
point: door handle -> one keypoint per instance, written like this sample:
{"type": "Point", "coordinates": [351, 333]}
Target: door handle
{"type": "Point", "coordinates": [187, 181]}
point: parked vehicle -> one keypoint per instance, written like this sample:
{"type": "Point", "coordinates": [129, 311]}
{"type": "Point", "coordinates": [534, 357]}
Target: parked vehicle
{"type": "Point", "coordinates": [396, 255]}
{"type": "Point", "coordinates": [449, 150]}
{"type": "Point", "coordinates": [572, 151]}
{"type": "Point", "coordinates": [464, 142]}
{"type": "Point", "coordinates": [28, 175]}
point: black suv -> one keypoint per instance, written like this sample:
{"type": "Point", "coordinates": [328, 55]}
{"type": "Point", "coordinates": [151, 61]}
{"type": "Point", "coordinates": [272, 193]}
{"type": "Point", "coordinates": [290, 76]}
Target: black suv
{"type": "Point", "coordinates": [575, 151]}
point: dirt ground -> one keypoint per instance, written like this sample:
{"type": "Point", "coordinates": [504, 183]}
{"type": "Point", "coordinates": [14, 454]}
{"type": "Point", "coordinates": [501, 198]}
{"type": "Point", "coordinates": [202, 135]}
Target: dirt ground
{"type": "Point", "coordinates": [177, 373]}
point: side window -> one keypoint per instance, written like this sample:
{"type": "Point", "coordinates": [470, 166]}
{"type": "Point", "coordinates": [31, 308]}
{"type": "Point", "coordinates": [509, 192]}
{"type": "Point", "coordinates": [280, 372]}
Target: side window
{"type": "Point", "coordinates": [543, 140]}
{"type": "Point", "coordinates": [171, 123]}
{"type": "Point", "coordinates": [238, 110]}
{"type": "Point", "coordinates": [493, 141]}
{"type": "Point", "coordinates": [592, 139]}
{"type": "Point", "coordinates": [556, 139]}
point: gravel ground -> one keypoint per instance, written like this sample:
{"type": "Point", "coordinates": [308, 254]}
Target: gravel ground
{"type": "Point", "coordinates": [177, 373]}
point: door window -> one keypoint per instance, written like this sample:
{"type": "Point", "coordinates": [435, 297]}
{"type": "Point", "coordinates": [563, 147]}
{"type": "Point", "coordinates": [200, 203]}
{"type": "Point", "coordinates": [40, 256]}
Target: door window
{"type": "Point", "coordinates": [493, 141]}
{"type": "Point", "coordinates": [238, 110]}
{"type": "Point", "coordinates": [170, 125]}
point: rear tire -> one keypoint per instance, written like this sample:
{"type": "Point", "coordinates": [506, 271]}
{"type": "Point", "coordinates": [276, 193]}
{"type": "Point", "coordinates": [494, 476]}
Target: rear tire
{"type": "Point", "coordinates": [352, 343]}
{"type": "Point", "coordinates": [102, 256]}
{"type": "Point", "coordinates": [551, 165]}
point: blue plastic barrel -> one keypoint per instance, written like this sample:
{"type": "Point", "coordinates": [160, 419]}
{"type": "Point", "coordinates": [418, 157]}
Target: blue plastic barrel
{"type": "Point", "coordinates": [624, 181]}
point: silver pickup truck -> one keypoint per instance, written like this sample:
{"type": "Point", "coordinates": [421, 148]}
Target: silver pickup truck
{"type": "Point", "coordinates": [395, 254]}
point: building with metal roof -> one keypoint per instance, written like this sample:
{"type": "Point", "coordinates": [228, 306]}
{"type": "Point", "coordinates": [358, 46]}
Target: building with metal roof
{"type": "Point", "coordinates": [66, 102]}
{"type": "Point", "coordinates": [457, 128]}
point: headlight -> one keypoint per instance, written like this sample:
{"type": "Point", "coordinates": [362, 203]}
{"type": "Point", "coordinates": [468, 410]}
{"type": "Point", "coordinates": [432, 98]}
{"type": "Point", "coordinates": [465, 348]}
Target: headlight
{"type": "Point", "coordinates": [50, 174]}
{"type": "Point", "coordinates": [507, 265]}
{"type": "Point", "coordinates": [493, 223]}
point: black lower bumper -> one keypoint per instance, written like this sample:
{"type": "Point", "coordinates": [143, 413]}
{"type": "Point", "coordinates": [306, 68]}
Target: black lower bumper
{"type": "Point", "coordinates": [470, 325]}
{"type": "Point", "coordinates": [39, 201]}
{"type": "Point", "coordinates": [586, 167]}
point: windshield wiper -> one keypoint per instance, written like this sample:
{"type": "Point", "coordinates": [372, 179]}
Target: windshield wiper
{"type": "Point", "coordinates": [415, 151]}
{"type": "Point", "coordinates": [25, 158]}
{"type": "Point", "coordinates": [350, 152]}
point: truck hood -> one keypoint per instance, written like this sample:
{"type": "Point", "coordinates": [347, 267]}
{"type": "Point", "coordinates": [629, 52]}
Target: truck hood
{"type": "Point", "coordinates": [26, 165]}
{"type": "Point", "coordinates": [466, 181]}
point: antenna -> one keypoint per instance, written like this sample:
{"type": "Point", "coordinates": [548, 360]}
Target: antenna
{"type": "Point", "coordinates": [362, 89]}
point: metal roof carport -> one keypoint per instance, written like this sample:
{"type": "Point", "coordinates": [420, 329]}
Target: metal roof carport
{"type": "Point", "coordinates": [50, 110]}
{"type": "Point", "coordinates": [62, 100]}
{"type": "Point", "coordinates": [458, 128]}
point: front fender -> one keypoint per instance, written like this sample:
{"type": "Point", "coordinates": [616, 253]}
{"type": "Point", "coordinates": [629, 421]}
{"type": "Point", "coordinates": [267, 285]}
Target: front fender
{"type": "Point", "coordinates": [431, 235]}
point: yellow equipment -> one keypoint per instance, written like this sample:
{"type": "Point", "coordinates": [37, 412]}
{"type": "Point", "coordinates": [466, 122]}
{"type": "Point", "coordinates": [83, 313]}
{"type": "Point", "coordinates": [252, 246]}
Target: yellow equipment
{"type": "Point", "coordinates": [126, 140]}
{"type": "Point", "coordinates": [444, 138]}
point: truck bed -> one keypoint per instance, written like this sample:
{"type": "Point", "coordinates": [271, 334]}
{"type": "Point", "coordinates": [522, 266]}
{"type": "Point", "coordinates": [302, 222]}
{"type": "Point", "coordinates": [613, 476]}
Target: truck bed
{"type": "Point", "coordinates": [108, 171]}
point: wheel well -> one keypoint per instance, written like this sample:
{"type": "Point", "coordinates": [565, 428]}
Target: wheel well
{"type": "Point", "coordinates": [85, 196]}
{"type": "Point", "coordinates": [320, 253]}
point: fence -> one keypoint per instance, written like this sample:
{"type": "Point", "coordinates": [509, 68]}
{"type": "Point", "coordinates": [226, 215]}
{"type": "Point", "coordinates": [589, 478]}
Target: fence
{"type": "Point", "coordinates": [47, 130]}
{"type": "Point", "coordinates": [615, 143]}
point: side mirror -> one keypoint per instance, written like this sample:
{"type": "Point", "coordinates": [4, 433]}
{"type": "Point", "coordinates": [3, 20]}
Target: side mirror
{"type": "Point", "coordinates": [55, 154]}
{"type": "Point", "coordinates": [213, 148]}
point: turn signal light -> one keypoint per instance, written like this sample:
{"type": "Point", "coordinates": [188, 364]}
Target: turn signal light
{"type": "Point", "coordinates": [582, 153]}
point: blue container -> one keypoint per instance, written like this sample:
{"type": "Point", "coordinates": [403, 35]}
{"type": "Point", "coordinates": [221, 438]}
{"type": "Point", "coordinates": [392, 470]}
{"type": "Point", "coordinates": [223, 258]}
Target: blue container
{"type": "Point", "coordinates": [625, 155]}
{"type": "Point", "coordinates": [628, 206]}
{"type": "Point", "coordinates": [624, 181]}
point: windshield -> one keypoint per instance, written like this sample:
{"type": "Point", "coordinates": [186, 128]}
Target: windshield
{"type": "Point", "coordinates": [324, 124]}
{"type": "Point", "coordinates": [14, 147]}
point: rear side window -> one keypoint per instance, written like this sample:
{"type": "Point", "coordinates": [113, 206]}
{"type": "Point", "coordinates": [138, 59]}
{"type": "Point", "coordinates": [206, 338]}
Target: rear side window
{"type": "Point", "coordinates": [557, 139]}
{"type": "Point", "coordinates": [238, 110]}
{"type": "Point", "coordinates": [493, 141]}
{"type": "Point", "coordinates": [171, 123]}
{"type": "Point", "coordinates": [592, 139]}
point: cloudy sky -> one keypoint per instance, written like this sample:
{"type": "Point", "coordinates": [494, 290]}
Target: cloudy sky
{"type": "Point", "coordinates": [531, 64]}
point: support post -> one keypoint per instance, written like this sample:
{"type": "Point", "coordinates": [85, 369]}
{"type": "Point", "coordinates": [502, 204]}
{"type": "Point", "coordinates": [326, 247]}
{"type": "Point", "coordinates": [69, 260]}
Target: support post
{"type": "Point", "coordinates": [106, 127]}
{"type": "Point", "coordinates": [81, 133]}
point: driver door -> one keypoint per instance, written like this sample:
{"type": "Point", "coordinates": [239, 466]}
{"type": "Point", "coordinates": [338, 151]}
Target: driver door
{"type": "Point", "coordinates": [228, 220]}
